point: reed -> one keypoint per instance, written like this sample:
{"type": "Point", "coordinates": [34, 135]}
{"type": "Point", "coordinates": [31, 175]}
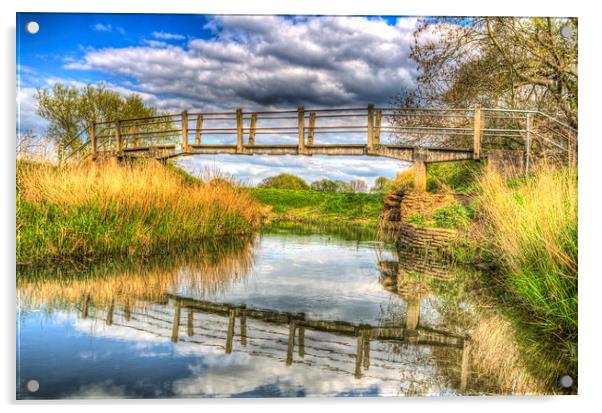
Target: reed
{"type": "Point", "coordinates": [530, 224]}
{"type": "Point", "coordinates": [100, 209]}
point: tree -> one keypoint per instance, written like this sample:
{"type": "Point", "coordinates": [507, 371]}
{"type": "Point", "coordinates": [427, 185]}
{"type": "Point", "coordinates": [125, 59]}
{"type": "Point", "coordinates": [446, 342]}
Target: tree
{"type": "Point", "coordinates": [284, 181]}
{"type": "Point", "coordinates": [71, 110]}
{"type": "Point", "coordinates": [511, 62]}
{"type": "Point", "coordinates": [359, 185]}
{"type": "Point", "coordinates": [343, 186]}
{"type": "Point", "coordinates": [379, 184]}
{"type": "Point", "coordinates": [324, 185]}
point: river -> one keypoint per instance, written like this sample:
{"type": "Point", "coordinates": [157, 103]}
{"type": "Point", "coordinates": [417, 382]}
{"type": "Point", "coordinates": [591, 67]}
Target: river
{"type": "Point", "coordinates": [284, 313]}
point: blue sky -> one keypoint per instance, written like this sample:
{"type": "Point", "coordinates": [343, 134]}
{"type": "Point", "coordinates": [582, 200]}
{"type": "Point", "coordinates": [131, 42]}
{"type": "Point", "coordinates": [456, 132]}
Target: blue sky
{"type": "Point", "coordinates": [211, 62]}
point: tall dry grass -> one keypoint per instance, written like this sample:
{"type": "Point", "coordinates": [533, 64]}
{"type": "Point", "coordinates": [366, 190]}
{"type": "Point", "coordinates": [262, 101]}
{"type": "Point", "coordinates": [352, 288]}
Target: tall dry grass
{"type": "Point", "coordinates": [93, 209]}
{"type": "Point", "coordinates": [530, 224]}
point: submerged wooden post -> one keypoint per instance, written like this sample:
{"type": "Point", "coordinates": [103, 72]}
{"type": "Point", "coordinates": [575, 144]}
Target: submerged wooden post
{"type": "Point", "coordinates": [310, 131]}
{"type": "Point", "coordinates": [359, 353]}
{"type": "Point", "coordinates": [190, 324]}
{"type": "Point", "coordinates": [379, 118]}
{"type": "Point", "coordinates": [230, 336]}
{"type": "Point", "coordinates": [199, 127]}
{"type": "Point", "coordinates": [291, 342]}
{"type": "Point", "coordinates": [110, 313]}
{"type": "Point", "coordinates": [93, 139]}
{"type": "Point", "coordinates": [301, 346]}
{"type": "Point", "coordinates": [301, 128]}
{"type": "Point", "coordinates": [465, 369]}
{"type": "Point", "coordinates": [477, 132]}
{"type": "Point", "coordinates": [185, 131]}
{"type": "Point", "coordinates": [370, 127]}
{"type": "Point", "coordinates": [127, 311]}
{"type": "Point", "coordinates": [528, 142]}
{"type": "Point", "coordinates": [118, 136]}
{"type": "Point", "coordinates": [366, 354]}
{"type": "Point", "coordinates": [86, 306]}
{"type": "Point", "coordinates": [176, 323]}
{"type": "Point", "coordinates": [243, 326]}
{"type": "Point", "coordinates": [239, 136]}
{"type": "Point", "coordinates": [412, 313]}
{"type": "Point", "coordinates": [252, 129]}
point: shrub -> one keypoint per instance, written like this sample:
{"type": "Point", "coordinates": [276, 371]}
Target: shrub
{"type": "Point", "coordinates": [283, 181]}
{"type": "Point", "coordinates": [403, 180]}
{"type": "Point", "coordinates": [457, 176]}
{"type": "Point", "coordinates": [451, 216]}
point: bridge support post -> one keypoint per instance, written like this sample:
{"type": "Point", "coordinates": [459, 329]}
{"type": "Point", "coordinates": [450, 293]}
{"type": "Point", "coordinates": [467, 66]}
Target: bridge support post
{"type": "Point", "coordinates": [239, 135]}
{"type": "Point", "coordinates": [176, 323]}
{"type": "Point", "coordinates": [477, 132]}
{"type": "Point", "coordinates": [412, 313]}
{"type": "Point", "coordinates": [109, 321]}
{"type": "Point", "coordinates": [190, 323]}
{"type": "Point", "coordinates": [291, 342]}
{"type": "Point", "coordinates": [93, 140]}
{"type": "Point", "coordinates": [527, 141]}
{"type": "Point", "coordinates": [118, 137]}
{"type": "Point", "coordinates": [230, 336]}
{"type": "Point", "coordinates": [199, 127]}
{"type": "Point", "coordinates": [185, 131]}
{"type": "Point", "coordinates": [252, 130]}
{"type": "Point", "coordinates": [310, 131]}
{"type": "Point", "coordinates": [378, 121]}
{"type": "Point", "coordinates": [420, 175]}
{"type": "Point", "coordinates": [370, 127]}
{"type": "Point", "coordinates": [301, 128]}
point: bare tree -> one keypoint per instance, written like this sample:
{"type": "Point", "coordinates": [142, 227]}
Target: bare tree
{"type": "Point", "coordinates": [359, 185]}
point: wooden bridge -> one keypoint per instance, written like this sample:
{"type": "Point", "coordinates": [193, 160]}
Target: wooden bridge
{"type": "Point", "coordinates": [418, 135]}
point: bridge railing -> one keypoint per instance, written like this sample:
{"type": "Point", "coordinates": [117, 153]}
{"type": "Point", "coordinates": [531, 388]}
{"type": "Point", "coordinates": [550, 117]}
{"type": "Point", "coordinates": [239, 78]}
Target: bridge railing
{"type": "Point", "coordinates": [473, 129]}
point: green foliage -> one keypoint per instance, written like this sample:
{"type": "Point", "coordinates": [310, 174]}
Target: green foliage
{"type": "Point", "coordinates": [416, 219]}
{"type": "Point", "coordinates": [380, 184]}
{"type": "Point", "coordinates": [451, 216]}
{"type": "Point", "coordinates": [403, 181]}
{"type": "Point", "coordinates": [324, 185]}
{"type": "Point", "coordinates": [313, 206]}
{"type": "Point", "coordinates": [457, 176]}
{"type": "Point", "coordinates": [284, 181]}
{"type": "Point", "coordinates": [70, 109]}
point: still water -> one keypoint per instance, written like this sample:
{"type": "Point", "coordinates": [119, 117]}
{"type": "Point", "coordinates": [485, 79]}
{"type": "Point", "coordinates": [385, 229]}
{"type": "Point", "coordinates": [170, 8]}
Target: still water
{"type": "Point", "coordinates": [286, 313]}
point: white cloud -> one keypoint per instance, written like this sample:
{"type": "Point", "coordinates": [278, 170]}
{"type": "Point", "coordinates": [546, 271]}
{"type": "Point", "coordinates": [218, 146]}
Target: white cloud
{"type": "Point", "coordinates": [99, 27]}
{"type": "Point", "coordinates": [168, 36]}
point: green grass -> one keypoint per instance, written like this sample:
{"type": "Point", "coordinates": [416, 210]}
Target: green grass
{"type": "Point", "coordinates": [458, 176]}
{"type": "Point", "coordinates": [95, 210]}
{"type": "Point", "coordinates": [321, 207]}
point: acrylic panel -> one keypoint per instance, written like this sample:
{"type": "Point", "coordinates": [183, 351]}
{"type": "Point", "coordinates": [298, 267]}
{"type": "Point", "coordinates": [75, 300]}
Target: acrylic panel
{"type": "Point", "coordinates": [295, 206]}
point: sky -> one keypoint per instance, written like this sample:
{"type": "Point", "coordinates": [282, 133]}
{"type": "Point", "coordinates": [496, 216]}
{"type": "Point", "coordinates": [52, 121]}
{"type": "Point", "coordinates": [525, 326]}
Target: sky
{"type": "Point", "coordinates": [221, 62]}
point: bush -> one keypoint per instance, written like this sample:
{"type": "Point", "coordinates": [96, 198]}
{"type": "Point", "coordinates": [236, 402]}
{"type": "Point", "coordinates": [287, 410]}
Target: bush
{"type": "Point", "coordinates": [403, 180]}
{"type": "Point", "coordinates": [284, 181]}
{"type": "Point", "coordinates": [451, 216]}
{"type": "Point", "coordinates": [324, 185]}
{"type": "Point", "coordinates": [457, 176]}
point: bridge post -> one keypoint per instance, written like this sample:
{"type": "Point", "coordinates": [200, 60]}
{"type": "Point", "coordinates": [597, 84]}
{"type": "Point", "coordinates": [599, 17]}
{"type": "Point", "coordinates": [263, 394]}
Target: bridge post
{"type": "Point", "coordinates": [118, 136]}
{"type": "Point", "coordinates": [370, 127]}
{"type": "Point", "coordinates": [252, 130]}
{"type": "Point", "coordinates": [310, 131]}
{"type": "Point", "coordinates": [527, 141]}
{"type": "Point", "coordinates": [176, 323]}
{"type": "Point", "coordinates": [230, 335]}
{"type": "Point", "coordinates": [412, 313]}
{"type": "Point", "coordinates": [199, 126]}
{"type": "Point", "coordinates": [109, 321]}
{"type": "Point", "coordinates": [93, 139]}
{"type": "Point", "coordinates": [239, 136]}
{"type": "Point", "coordinates": [291, 342]}
{"type": "Point", "coordinates": [477, 132]}
{"type": "Point", "coordinates": [301, 128]}
{"type": "Point", "coordinates": [378, 121]}
{"type": "Point", "coordinates": [190, 323]}
{"type": "Point", "coordinates": [185, 131]}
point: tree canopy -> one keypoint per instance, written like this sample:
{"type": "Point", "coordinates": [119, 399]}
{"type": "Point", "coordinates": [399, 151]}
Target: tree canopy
{"type": "Point", "coordinates": [511, 62]}
{"type": "Point", "coordinates": [70, 109]}
{"type": "Point", "coordinates": [284, 181]}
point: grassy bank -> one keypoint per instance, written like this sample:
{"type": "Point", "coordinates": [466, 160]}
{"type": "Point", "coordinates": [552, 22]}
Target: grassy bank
{"type": "Point", "coordinates": [303, 206]}
{"type": "Point", "coordinates": [93, 209]}
{"type": "Point", "coordinates": [530, 225]}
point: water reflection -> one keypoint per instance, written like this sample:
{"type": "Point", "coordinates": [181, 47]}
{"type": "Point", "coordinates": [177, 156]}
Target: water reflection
{"type": "Point", "coordinates": [280, 315]}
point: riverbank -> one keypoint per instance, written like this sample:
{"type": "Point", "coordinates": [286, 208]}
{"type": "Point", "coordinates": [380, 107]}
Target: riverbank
{"type": "Point", "coordinates": [103, 209]}
{"type": "Point", "coordinates": [519, 244]}
{"type": "Point", "coordinates": [321, 208]}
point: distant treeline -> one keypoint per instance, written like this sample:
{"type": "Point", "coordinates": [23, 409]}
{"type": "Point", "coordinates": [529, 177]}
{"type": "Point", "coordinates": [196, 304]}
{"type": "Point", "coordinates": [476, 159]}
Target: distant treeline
{"type": "Point", "coordinates": [290, 181]}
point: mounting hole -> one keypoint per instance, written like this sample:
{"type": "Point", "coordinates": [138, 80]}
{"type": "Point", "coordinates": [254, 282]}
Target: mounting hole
{"type": "Point", "coordinates": [32, 27]}
{"type": "Point", "coordinates": [33, 386]}
{"type": "Point", "coordinates": [565, 381]}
